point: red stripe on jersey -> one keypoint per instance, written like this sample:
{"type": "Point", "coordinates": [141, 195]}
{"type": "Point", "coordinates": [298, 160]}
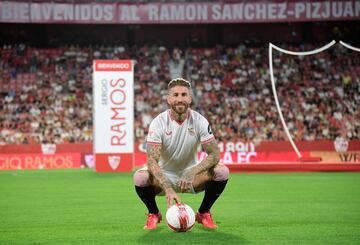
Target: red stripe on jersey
{"type": "Point", "coordinates": [208, 141]}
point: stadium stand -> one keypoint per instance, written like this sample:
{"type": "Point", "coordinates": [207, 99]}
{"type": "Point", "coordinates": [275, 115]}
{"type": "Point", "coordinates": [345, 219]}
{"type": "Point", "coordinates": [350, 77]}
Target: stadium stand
{"type": "Point", "coordinates": [46, 92]}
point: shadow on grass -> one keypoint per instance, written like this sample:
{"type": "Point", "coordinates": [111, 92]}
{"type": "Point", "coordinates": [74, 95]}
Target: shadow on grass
{"type": "Point", "coordinates": [163, 235]}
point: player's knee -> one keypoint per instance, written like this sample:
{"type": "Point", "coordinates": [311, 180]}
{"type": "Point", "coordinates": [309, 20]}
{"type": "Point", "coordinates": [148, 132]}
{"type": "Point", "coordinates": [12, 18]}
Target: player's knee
{"type": "Point", "coordinates": [141, 178]}
{"type": "Point", "coordinates": [221, 173]}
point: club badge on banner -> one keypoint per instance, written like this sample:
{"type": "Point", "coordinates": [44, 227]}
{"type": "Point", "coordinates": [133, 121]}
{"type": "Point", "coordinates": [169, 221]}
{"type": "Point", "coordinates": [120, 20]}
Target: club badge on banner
{"type": "Point", "coordinates": [113, 115]}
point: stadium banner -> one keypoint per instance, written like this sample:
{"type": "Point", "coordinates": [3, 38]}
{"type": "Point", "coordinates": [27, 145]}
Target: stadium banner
{"type": "Point", "coordinates": [229, 146]}
{"type": "Point", "coordinates": [277, 152]}
{"type": "Point", "coordinates": [178, 13]}
{"type": "Point", "coordinates": [113, 115]}
{"type": "Point", "coordinates": [233, 153]}
{"type": "Point", "coordinates": [247, 158]}
{"type": "Point", "coordinates": [40, 161]}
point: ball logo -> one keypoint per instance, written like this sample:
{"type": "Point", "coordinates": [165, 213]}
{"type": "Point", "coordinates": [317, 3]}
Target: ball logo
{"type": "Point", "coordinates": [180, 217]}
{"type": "Point", "coordinates": [183, 217]}
{"type": "Point", "coordinates": [114, 162]}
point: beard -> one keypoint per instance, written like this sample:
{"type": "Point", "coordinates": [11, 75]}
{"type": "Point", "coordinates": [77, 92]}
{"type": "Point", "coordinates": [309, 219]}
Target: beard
{"type": "Point", "coordinates": [180, 108]}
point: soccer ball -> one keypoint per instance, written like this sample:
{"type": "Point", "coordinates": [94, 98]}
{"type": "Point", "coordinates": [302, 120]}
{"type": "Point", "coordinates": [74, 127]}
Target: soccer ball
{"type": "Point", "coordinates": [180, 217]}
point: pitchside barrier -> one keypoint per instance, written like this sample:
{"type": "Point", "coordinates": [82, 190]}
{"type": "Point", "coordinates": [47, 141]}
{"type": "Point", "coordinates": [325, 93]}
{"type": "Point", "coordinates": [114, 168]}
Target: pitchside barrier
{"type": "Point", "coordinates": [339, 155]}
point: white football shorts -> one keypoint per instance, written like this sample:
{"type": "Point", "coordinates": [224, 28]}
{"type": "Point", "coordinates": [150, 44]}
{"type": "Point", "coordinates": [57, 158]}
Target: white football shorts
{"type": "Point", "coordinates": [174, 180]}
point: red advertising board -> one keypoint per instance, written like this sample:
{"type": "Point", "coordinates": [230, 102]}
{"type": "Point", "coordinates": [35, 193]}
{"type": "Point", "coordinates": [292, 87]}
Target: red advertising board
{"type": "Point", "coordinates": [114, 162]}
{"type": "Point", "coordinates": [39, 161]}
{"type": "Point", "coordinates": [240, 157]}
{"type": "Point", "coordinates": [271, 155]}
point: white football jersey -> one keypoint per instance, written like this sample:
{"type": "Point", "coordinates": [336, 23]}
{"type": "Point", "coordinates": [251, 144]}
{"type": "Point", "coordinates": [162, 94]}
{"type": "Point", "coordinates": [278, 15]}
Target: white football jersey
{"type": "Point", "coordinates": [179, 141]}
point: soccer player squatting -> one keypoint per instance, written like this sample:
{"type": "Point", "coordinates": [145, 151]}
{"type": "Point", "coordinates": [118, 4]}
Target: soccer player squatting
{"type": "Point", "coordinates": [172, 143]}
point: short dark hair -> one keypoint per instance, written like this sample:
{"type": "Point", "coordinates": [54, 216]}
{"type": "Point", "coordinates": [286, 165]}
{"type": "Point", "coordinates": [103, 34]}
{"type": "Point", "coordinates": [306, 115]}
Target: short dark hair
{"type": "Point", "coordinates": [179, 82]}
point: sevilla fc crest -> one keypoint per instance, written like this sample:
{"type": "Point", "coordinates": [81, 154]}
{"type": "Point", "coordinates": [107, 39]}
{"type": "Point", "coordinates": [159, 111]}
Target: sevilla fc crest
{"type": "Point", "coordinates": [114, 161]}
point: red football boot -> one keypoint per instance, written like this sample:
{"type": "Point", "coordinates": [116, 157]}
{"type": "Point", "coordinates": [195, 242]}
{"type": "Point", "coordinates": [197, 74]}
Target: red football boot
{"type": "Point", "coordinates": [206, 220]}
{"type": "Point", "coordinates": [152, 221]}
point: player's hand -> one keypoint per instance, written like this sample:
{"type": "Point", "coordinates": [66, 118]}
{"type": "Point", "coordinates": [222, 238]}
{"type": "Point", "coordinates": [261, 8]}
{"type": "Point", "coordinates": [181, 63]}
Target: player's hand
{"type": "Point", "coordinates": [171, 196]}
{"type": "Point", "coordinates": [186, 180]}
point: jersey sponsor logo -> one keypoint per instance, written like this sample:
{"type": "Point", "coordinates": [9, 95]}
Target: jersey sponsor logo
{"type": "Point", "coordinates": [114, 161]}
{"type": "Point", "coordinates": [209, 129]}
{"type": "Point", "coordinates": [191, 131]}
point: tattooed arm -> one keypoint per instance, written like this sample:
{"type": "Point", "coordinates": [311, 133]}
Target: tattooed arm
{"type": "Point", "coordinates": [153, 156]}
{"type": "Point", "coordinates": [210, 161]}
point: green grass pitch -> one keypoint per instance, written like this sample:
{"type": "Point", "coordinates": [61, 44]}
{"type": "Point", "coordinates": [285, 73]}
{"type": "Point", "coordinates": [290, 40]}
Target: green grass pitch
{"type": "Point", "coordinates": [84, 207]}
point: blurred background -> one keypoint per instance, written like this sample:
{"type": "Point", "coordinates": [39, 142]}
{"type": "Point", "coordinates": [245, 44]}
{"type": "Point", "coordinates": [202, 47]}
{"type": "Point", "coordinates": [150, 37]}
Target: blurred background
{"type": "Point", "coordinates": [221, 47]}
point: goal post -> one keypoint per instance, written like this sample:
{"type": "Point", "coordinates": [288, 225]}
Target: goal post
{"type": "Point", "coordinates": [315, 51]}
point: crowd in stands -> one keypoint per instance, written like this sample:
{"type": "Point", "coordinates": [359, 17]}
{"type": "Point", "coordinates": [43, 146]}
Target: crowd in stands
{"type": "Point", "coordinates": [319, 95]}
{"type": "Point", "coordinates": [46, 94]}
